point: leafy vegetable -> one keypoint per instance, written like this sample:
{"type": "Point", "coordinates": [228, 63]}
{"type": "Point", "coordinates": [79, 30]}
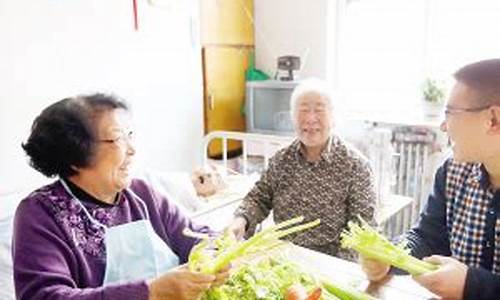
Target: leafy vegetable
{"type": "Point", "coordinates": [280, 279]}
{"type": "Point", "coordinates": [371, 244]}
{"type": "Point", "coordinates": [267, 279]}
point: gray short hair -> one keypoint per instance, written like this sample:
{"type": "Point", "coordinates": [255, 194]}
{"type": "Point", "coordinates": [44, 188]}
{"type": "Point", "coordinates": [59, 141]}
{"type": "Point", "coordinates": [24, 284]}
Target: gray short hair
{"type": "Point", "coordinates": [311, 85]}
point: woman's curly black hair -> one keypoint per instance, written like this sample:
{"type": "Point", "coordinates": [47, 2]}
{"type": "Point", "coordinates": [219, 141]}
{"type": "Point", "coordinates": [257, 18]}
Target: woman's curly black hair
{"type": "Point", "coordinates": [63, 135]}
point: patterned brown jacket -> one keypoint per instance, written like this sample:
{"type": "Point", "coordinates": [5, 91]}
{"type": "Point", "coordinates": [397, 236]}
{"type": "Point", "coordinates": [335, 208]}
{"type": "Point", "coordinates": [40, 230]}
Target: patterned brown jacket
{"type": "Point", "coordinates": [335, 189]}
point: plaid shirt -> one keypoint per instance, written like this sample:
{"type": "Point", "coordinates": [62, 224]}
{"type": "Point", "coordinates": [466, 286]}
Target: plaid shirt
{"type": "Point", "coordinates": [469, 202]}
{"type": "Point", "coordinates": [460, 220]}
{"type": "Point", "coordinates": [335, 189]}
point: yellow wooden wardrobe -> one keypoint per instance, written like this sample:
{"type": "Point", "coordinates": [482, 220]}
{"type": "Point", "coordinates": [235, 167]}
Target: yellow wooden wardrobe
{"type": "Point", "coordinates": [227, 38]}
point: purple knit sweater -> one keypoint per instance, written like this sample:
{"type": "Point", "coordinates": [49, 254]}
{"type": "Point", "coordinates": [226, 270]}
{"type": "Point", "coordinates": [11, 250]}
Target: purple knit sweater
{"type": "Point", "coordinates": [59, 254]}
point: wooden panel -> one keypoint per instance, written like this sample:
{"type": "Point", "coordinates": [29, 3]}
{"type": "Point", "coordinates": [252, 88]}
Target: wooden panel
{"type": "Point", "coordinates": [228, 22]}
{"type": "Point", "coordinates": [224, 70]}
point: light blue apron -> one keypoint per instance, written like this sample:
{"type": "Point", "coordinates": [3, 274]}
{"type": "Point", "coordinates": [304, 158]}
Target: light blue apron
{"type": "Point", "coordinates": [133, 250]}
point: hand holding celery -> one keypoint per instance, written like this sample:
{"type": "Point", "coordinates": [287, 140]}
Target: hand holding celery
{"type": "Point", "coordinates": [369, 243]}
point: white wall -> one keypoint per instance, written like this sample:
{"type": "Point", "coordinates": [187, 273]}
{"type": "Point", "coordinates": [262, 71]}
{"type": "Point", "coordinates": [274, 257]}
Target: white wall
{"type": "Point", "coordinates": [291, 27]}
{"type": "Point", "coordinates": [53, 49]}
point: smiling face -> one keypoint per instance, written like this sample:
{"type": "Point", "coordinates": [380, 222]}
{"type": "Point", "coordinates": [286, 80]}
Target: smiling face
{"type": "Point", "coordinates": [109, 171]}
{"type": "Point", "coordinates": [312, 120]}
{"type": "Point", "coordinates": [466, 129]}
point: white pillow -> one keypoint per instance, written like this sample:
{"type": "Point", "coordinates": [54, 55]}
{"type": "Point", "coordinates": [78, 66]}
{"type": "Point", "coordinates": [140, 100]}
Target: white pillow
{"type": "Point", "coordinates": [6, 275]}
{"type": "Point", "coordinates": [180, 190]}
{"type": "Point", "coordinates": [8, 204]}
{"type": "Point", "coordinates": [177, 186]}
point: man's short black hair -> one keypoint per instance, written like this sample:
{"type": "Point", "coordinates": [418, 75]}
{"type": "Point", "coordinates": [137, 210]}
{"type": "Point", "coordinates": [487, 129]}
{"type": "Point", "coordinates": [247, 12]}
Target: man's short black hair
{"type": "Point", "coordinates": [484, 78]}
{"type": "Point", "coordinates": [63, 135]}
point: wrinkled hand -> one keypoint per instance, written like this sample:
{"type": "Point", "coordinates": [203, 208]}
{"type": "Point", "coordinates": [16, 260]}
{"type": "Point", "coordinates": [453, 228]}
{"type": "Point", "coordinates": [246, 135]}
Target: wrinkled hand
{"type": "Point", "coordinates": [448, 281]}
{"type": "Point", "coordinates": [237, 227]}
{"type": "Point", "coordinates": [374, 270]}
{"type": "Point", "coordinates": [182, 284]}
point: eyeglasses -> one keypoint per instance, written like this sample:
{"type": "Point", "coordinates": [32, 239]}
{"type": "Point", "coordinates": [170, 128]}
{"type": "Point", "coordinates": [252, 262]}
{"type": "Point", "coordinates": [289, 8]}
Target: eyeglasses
{"type": "Point", "coordinates": [456, 110]}
{"type": "Point", "coordinates": [124, 138]}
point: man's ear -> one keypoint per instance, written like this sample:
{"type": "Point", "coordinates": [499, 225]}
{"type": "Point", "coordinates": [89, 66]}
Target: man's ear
{"type": "Point", "coordinates": [494, 120]}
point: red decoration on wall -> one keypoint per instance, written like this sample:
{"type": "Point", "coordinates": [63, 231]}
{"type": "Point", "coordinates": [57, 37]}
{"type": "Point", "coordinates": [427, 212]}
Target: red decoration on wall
{"type": "Point", "coordinates": [136, 20]}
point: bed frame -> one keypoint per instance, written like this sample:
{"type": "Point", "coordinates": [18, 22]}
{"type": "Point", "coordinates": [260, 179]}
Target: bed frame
{"type": "Point", "coordinates": [252, 144]}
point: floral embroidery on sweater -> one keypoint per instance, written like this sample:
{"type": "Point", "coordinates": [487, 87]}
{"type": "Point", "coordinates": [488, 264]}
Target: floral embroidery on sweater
{"type": "Point", "coordinates": [77, 227]}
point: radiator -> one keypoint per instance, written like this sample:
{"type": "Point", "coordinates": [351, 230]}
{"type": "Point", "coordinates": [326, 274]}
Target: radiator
{"type": "Point", "coordinates": [414, 168]}
{"type": "Point", "coordinates": [403, 164]}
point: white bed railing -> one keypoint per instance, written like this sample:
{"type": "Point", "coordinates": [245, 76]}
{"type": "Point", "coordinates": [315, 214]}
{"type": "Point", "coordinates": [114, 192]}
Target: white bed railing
{"type": "Point", "coordinates": [265, 146]}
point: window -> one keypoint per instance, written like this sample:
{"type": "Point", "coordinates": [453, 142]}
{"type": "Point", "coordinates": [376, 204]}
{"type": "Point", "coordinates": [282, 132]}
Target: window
{"type": "Point", "coordinates": [385, 48]}
{"type": "Point", "coordinates": [463, 31]}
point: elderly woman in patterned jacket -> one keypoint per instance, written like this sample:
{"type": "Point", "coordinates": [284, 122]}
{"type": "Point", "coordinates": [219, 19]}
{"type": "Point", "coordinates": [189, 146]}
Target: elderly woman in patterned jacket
{"type": "Point", "coordinates": [460, 224]}
{"type": "Point", "coordinates": [317, 176]}
{"type": "Point", "coordinates": [94, 233]}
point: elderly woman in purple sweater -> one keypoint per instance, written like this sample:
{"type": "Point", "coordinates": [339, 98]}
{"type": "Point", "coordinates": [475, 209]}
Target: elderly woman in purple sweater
{"type": "Point", "coordinates": [94, 233]}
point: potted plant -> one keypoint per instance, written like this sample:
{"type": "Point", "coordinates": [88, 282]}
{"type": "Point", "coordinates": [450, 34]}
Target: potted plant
{"type": "Point", "coordinates": [433, 92]}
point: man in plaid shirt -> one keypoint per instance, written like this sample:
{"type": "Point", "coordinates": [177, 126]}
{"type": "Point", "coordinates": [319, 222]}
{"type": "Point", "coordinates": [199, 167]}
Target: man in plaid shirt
{"type": "Point", "coordinates": [459, 228]}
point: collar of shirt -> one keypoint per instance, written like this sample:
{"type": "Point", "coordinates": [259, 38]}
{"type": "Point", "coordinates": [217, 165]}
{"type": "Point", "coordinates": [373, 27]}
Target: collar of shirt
{"type": "Point", "coordinates": [326, 154]}
{"type": "Point", "coordinates": [83, 196]}
{"type": "Point", "coordinates": [480, 176]}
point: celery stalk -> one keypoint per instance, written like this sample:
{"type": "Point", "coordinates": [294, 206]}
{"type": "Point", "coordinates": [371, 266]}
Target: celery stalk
{"type": "Point", "coordinates": [260, 242]}
{"type": "Point", "coordinates": [368, 242]}
{"type": "Point", "coordinates": [345, 292]}
{"type": "Point", "coordinates": [326, 295]}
